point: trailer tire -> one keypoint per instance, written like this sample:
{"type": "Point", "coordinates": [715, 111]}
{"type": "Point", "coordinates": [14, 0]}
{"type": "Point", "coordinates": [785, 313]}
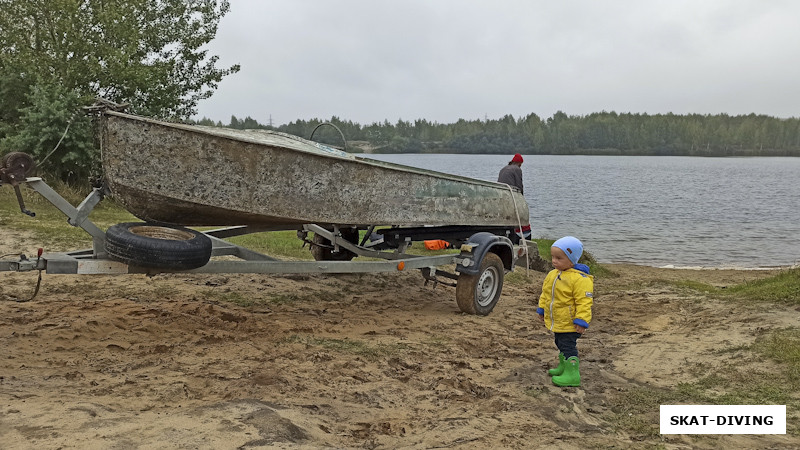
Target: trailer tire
{"type": "Point", "coordinates": [323, 252]}
{"type": "Point", "coordinates": [158, 246]}
{"type": "Point", "coordinates": [479, 293]}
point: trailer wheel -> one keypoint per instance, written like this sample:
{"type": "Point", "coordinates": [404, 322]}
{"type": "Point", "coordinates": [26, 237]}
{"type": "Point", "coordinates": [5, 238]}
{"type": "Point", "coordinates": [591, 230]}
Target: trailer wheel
{"type": "Point", "coordinates": [158, 246]}
{"type": "Point", "coordinates": [323, 252]}
{"type": "Point", "coordinates": [478, 294]}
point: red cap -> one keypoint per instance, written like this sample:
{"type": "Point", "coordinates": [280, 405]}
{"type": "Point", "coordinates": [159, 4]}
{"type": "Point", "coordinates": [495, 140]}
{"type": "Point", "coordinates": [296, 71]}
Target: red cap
{"type": "Point", "coordinates": [517, 158]}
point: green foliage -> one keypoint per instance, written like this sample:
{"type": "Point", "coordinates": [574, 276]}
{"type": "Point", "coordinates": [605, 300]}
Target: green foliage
{"type": "Point", "coordinates": [783, 346]}
{"type": "Point", "coordinates": [148, 53]}
{"type": "Point", "coordinates": [634, 411]}
{"type": "Point", "coordinates": [56, 56]}
{"type": "Point", "coordinates": [784, 288]}
{"type": "Point", "coordinates": [278, 243]}
{"type": "Point", "coordinates": [51, 123]}
{"type": "Point", "coordinates": [603, 133]}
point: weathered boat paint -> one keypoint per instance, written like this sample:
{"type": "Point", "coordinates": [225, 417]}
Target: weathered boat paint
{"type": "Point", "coordinates": [193, 175]}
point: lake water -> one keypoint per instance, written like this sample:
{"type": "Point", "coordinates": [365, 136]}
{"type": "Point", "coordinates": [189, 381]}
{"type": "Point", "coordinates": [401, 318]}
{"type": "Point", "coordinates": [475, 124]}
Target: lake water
{"type": "Point", "coordinates": [656, 211]}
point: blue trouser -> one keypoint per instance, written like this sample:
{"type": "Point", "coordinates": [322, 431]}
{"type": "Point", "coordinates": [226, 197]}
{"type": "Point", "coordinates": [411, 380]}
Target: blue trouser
{"type": "Point", "coordinates": [567, 343]}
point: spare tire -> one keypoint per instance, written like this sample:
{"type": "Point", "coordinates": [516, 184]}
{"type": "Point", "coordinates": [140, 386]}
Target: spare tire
{"type": "Point", "coordinates": [158, 246]}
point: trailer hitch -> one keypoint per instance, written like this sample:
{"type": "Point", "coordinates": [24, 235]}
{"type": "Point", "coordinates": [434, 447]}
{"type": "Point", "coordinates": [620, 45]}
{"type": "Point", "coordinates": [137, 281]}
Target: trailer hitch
{"type": "Point", "coordinates": [23, 265]}
{"type": "Point", "coordinates": [13, 170]}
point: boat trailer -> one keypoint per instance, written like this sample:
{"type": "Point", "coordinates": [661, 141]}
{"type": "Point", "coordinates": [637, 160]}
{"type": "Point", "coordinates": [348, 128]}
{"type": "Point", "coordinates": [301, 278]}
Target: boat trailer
{"type": "Point", "coordinates": [485, 253]}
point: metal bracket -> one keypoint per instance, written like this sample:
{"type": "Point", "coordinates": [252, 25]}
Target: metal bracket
{"type": "Point", "coordinates": [86, 207]}
{"type": "Point", "coordinates": [403, 246]}
{"type": "Point", "coordinates": [23, 265]}
{"type": "Point", "coordinates": [77, 217]}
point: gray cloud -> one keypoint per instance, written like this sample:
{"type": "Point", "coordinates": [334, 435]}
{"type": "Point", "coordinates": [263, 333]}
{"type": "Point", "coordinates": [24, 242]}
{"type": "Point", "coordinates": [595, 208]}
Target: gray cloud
{"type": "Point", "coordinates": [443, 60]}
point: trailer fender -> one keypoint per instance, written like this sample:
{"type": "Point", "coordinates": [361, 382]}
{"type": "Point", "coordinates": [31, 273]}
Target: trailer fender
{"type": "Point", "coordinates": [478, 245]}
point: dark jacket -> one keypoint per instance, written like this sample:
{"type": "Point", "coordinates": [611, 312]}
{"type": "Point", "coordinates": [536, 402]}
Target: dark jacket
{"type": "Point", "coordinates": [512, 176]}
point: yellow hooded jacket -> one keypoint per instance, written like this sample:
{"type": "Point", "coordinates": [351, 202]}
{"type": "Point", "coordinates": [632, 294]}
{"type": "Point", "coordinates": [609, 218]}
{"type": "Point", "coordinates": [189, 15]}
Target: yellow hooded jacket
{"type": "Point", "coordinates": [566, 299]}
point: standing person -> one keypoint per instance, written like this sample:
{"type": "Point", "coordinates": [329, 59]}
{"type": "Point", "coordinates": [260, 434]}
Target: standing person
{"type": "Point", "coordinates": [565, 307]}
{"type": "Point", "coordinates": [511, 174]}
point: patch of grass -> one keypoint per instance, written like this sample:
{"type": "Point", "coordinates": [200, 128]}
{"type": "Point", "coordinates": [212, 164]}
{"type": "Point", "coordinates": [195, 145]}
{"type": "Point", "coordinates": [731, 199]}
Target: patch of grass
{"type": "Point", "coordinates": [784, 346]}
{"type": "Point", "coordinates": [710, 380]}
{"type": "Point", "coordinates": [766, 393]}
{"type": "Point", "coordinates": [50, 227]}
{"type": "Point", "coordinates": [733, 387]}
{"type": "Point", "coordinates": [275, 243]}
{"type": "Point", "coordinates": [782, 288]}
{"type": "Point", "coordinates": [637, 410]}
{"type": "Point", "coordinates": [360, 348]}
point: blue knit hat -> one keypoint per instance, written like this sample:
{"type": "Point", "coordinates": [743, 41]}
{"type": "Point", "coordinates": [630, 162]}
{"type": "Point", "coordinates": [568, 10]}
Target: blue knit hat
{"type": "Point", "coordinates": [571, 247]}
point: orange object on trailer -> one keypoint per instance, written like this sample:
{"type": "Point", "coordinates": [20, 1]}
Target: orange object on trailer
{"type": "Point", "coordinates": [436, 244]}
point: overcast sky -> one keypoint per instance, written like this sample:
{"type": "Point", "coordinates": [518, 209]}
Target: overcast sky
{"type": "Point", "coordinates": [441, 60]}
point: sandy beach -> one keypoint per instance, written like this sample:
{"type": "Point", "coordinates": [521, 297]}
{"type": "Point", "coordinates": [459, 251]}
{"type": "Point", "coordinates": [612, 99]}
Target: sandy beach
{"type": "Point", "coordinates": [352, 361]}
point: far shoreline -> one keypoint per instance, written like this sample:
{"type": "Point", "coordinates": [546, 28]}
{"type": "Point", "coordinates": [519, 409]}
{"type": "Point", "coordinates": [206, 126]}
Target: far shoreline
{"type": "Point", "coordinates": [697, 267]}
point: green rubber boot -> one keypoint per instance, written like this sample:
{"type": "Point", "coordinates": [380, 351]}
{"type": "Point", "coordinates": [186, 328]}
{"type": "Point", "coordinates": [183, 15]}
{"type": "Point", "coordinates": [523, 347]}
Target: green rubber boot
{"type": "Point", "coordinates": [562, 362]}
{"type": "Point", "coordinates": [571, 375]}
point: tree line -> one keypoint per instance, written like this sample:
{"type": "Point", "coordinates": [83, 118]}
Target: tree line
{"type": "Point", "coordinates": [602, 133]}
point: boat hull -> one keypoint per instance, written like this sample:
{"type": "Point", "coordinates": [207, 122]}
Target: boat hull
{"type": "Point", "coordinates": [191, 175]}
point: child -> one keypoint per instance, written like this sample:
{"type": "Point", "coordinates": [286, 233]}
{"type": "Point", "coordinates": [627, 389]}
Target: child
{"type": "Point", "coordinates": [565, 306]}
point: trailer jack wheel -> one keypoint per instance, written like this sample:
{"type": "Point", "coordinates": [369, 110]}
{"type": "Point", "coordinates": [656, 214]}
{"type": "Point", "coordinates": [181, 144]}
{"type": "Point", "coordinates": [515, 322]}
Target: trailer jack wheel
{"type": "Point", "coordinates": [158, 246]}
{"type": "Point", "coordinates": [478, 294]}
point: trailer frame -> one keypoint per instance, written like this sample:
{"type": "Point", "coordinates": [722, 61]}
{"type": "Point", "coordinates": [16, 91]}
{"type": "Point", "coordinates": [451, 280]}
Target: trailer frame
{"type": "Point", "coordinates": [478, 283]}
